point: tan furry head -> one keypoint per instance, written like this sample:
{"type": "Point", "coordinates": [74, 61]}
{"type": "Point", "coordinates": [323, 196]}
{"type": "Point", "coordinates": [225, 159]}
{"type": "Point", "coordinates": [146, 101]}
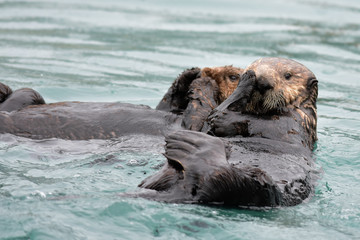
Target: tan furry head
{"type": "Point", "coordinates": [284, 84]}
{"type": "Point", "coordinates": [280, 83]}
{"type": "Point", "coordinates": [227, 78]}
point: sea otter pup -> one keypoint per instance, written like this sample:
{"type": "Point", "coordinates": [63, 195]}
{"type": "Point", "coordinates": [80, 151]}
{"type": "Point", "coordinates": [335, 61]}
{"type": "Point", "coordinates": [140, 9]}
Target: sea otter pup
{"type": "Point", "coordinates": [225, 79]}
{"type": "Point", "coordinates": [206, 93]}
{"type": "Point", "coordinates": [265, 158]}
{"type": "Point", "coordinates": [79, 121]}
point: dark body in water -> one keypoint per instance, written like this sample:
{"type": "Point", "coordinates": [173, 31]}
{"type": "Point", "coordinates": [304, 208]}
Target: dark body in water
{"type": "Point", "coordinates": [260, 153]}
{"type": "Point", "coordinates": [265, 158]}
{"type": "Point", "coordinates": [186, 105]}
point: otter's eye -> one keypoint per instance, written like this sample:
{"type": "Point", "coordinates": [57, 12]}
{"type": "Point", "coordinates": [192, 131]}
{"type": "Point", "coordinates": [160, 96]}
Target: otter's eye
{"type": "Point", "coordinates": [234, 78]}
{"type": "Point", "coordinates": [287, 76]}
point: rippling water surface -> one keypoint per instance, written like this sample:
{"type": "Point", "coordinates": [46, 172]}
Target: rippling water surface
{"type": "Point", "coordinates": [131, 51]}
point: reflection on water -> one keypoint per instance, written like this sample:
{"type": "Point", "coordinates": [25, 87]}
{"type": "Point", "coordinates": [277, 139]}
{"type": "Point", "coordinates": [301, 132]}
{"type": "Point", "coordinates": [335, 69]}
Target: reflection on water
{"type": "Point", "coordinates": [131, 52]}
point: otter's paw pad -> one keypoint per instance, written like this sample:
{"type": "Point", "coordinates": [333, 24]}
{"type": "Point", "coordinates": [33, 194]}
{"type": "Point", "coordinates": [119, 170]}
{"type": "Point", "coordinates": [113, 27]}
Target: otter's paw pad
{"type": "Point", "coordinates": [194, 151]}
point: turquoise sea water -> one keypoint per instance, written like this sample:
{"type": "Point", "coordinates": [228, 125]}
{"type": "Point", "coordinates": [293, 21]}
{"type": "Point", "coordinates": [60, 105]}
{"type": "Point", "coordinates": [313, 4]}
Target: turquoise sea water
{"type": "Point", "coordinates": [131, 51]}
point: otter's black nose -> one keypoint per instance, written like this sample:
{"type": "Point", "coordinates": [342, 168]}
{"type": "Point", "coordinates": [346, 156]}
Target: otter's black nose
{"type": "Point", "coordinates": [264, 84]}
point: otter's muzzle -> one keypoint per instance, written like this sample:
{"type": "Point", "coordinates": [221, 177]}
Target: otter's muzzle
{"type": "Point", "coordinates": [263, 84]}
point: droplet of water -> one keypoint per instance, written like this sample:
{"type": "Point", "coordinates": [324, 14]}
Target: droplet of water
{"type": "Point", "coordinates": [38, 193]}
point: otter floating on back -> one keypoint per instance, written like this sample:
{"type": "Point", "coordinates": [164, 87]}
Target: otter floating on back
{"type": "Point", "coordinates": [267, 125]}
{"type": "Point", "coordinates": [265, 158]}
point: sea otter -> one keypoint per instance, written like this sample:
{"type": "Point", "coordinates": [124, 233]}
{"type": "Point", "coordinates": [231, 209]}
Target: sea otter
{"type": "Point", "coordinates": [225, 79]}
{"type": "Point", "coordinates": [197, 91]}
{"type": "Point", "coordinates": [195, 100]}
{"type": "Point", "coordinates": [264, 159]}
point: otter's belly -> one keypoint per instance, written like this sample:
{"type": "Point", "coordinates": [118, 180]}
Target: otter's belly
{"type": "Point", "coordinates": [86, 120]}
{"type": "Point", "coordinates": [290, 166]}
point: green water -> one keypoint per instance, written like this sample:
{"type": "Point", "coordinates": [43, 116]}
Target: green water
{"type": "Point", "coordinates": [131, 51]}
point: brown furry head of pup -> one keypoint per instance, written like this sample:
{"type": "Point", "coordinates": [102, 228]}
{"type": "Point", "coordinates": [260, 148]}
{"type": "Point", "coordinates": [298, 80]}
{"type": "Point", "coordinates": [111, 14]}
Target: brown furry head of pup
{"type": "Point", "coordinates": [227, 78]}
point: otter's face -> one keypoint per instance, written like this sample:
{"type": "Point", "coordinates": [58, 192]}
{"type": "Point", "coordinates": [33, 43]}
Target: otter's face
{"type": "Point", "coordinates": [226, 77]}
{"type": "Point", "coordinates": [279, 83]}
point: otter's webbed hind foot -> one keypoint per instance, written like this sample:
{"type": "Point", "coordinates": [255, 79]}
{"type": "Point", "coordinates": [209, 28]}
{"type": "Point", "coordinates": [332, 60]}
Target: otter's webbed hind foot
{"type": "Point", "coordinates": [197, 171]}
{"type": "Point", "coordinates": [191, 158]}
{"type": "Point", "coordinates": [175, 99]}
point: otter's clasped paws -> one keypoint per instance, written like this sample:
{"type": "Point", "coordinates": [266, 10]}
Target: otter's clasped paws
{"type": "Point", "coordinates": [247, 84]}
{"type": "Point", "coordinates": [227, 124]}
{"type": "Point", "coordinates": [242, 94]}
{"type": "Point", "coordinates": [220, 124]}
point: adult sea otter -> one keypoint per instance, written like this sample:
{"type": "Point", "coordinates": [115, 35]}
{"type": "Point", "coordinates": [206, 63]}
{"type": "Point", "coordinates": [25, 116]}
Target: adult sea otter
{"type": "Point", "coordinates": [268, 125]}
{"type": "Point", "coordinates": [265, 157]}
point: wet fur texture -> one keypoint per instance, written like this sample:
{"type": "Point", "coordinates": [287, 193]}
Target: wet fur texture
{"type": "Point", "coordinates": [280, 86]}
{"type": "Point", "coordinates": [226, 77]}
{"type": "Point", "coordinates": [5, 92]}
{"type": "Point", "coordinates": [196, 92]}
{"type": "Point", "coordinates": [269, 127]}
{"type": "Point", "coordinates": [187, 104]}
{"type": "Point", "coordinates": [292, 88]}
{"type": "Point", "coordinates": [18, 99]}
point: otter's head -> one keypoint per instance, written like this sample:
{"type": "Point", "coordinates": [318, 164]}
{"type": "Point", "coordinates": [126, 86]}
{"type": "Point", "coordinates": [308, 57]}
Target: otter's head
{"type": "Point", "coordinates": [271, 85]}
{"type": "Point", "coordinates": [227, 78]}
{"type": "Point", "coordinates": [275, 86]}
{"type": "Point", "coordinates": [281, 83]}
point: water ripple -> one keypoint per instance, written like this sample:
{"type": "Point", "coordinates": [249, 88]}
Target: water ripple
{"type": "Point", "coordinates": [131, 51]}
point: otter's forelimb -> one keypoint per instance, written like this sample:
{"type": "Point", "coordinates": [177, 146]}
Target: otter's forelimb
{"type": "Point", "coordinates": [236, 102]}
{"type": "Point", "coordinates": [241, 96]}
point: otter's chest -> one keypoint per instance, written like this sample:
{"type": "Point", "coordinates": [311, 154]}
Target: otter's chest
{"type": "Point", "coordinates": [280, 128]}
{"type": "Point", "coordinates": [284, 162]}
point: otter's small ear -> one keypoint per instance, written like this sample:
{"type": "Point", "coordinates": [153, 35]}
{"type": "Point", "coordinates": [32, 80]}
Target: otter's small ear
{"type": "Point", "coordinates": [206, 72]}
{"type": "Point", "coordinates": [311, 82]}
{"type": "Point", "coordinates": [312, 87]}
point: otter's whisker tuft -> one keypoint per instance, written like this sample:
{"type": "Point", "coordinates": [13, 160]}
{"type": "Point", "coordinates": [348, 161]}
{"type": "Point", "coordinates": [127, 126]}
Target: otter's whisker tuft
{"type": "Point", "coordinates": [273, 100]}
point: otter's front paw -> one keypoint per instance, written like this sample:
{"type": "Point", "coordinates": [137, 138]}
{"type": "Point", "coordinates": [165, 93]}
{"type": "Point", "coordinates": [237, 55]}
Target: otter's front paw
{"type": "Point", "coordinates": [238, 100]}
{"type": "Point", "coordinates": [220, 124]}
{"type": "Point", "coordinates": [244, 91]}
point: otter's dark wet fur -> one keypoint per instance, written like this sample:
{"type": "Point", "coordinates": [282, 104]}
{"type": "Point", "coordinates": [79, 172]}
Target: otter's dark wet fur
{"type": "Point", "coordinates": [186, 105]}
{"type": "Point", "coordinates": [264, 159]}
{"type": "Point", "coordinates": [196, 92]}
{"type": "Point", "coordinates": [18, 99]}
{"type": "Point", "coordinates": [278, 87]}
{"type": "Point", "coordinates": [226, 77]}
{"type": "Point", "coordinates": [268, 160]}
